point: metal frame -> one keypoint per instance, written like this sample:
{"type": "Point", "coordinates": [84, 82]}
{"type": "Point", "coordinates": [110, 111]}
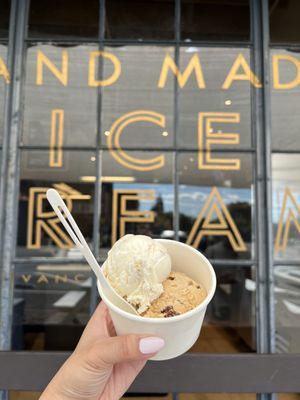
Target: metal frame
{"type": "Point", "coordinates": [258, 373]}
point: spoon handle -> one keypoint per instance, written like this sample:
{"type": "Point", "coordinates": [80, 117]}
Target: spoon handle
{"type": "Point", "coordinates": [71, 227]}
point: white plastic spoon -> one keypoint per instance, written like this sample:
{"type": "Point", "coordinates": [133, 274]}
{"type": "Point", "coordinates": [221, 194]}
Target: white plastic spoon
{"type": "Point", "coordinates": [71, 227]}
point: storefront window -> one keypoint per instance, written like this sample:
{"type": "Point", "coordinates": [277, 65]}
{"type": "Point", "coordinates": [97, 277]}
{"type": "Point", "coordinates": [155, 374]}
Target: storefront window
{"type": "Point", "coordinates": [60, 103]}
{"type": "Point", "coordinates": [4, 18]}
{"type": "Point", "coordinates": [287, 296]}
{"type": "Point", "coordinates": [218, 20]}
{"type": "Point", "coordinates": [286, 197]}
{"type": "Point", "coordinates": [39, 233]}
{"type": "Point", "coordinates": [140, 20]}
{"type": "Point", "coordinates": [70, 19]}
{"type": "Point", "coordinates": [137, 195]}
{"type": "Point", "coordinates": [284, 26]}
{"type": "Point", "coordinates": [152, 117]}
{"type": "Point", "coordinates": [136, 112]}
{"type": "Point", "coordinates": [285, 97]}
{"type": "Point", "coordinates": [216, 205]}
{"type": "Point", "coordinates": [213, 101]}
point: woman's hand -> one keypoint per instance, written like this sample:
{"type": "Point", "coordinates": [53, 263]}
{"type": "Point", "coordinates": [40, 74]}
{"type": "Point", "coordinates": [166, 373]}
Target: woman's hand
{"type": "Point", "coordinates": [103, 365]}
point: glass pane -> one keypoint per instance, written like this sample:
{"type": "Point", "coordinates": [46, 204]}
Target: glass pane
{"type": "Point", "coordinates": [39, 233]}
{"type": "Point", "coordinates": [218, 20]}
{"type": "Point", "coordinates": [139, 201]}
{"type": "Point", "coordinates": [4, 18]}
{"type": "Point", "coordinates": [215, 205]}
{"type": "Point", "coordinates": [60, 103]}
{"type": "Point", "coordinates": [286, 201]}
{"type": "Point", "coordinates": [4, 81]}
{"type": "Point", "coordinates": [214, 97]}
{"type": "Point", "coordinates": [285, 98]}
{"type": "Point", "coordinates": [284, 23]}
{"type": "Point", "coordinates": [140, 19]}
{"type": "Point", "coordinates": [229, 324]}
{"type": "Point", "coordinates": [73, 19]}
{"type": "Point", "coordinates": [287, 303]}
{"type": "Point", "coordinates": [135, 112]}
{"type": "Point", "coordinates": [51, 305]}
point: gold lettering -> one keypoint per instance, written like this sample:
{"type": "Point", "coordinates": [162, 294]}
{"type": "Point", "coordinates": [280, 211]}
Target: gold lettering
{"type": "Point", "coordinates": [207, 137]}
{"type": "Point", "coordinates": [289, 85]}
{"type": "Point", "coordinates": [4, 71]}
{"type": "Point", "coordinates": [92, 69]}
{"type": "Point", "coordinates": [246, 75]}
{"type": "Point", "coordinates": [56, 138]}
{"type": "Point", "coordinates": [193, 65]}
{"type": "Point", "coordinates": [26, 278]}
{"type": "Point", "coordinates": [40, 221]}
{"type": "Point", "coordinates": [79, 278]}
{"type": "Point", "coordinates": [62, 75]}
{"type": "Point", "coordinates": [42, 279]}
{"type": "Point", "coordinates": [122, 215]}
{"type": "Point", "coordinates": [61, 278]}
{"type": "Point", "coordinates": [288, 214]}
{"type": "Point", "coordinates": [121, 156]}
{"type": "Point", "coordinates": [225, 226]}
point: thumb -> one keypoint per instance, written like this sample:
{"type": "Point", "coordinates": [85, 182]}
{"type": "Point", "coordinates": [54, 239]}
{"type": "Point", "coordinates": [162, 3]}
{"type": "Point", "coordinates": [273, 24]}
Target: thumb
{"type": "Point", "coordinates": [119, 349]}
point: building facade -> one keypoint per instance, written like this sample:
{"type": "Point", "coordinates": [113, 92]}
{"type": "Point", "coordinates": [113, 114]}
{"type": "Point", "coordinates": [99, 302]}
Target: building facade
{"type": "Point", "coordinates": [176, 119]}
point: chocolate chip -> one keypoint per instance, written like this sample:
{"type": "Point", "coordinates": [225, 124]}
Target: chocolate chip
{"type": "Point", "coordinates": [166, 309]}
{"type": "Point", "coordinates": [171, 278]}
{"type": "Point", "coordinates": [198, 287]}
{"type": "Point", "coordinates": [169, 312]}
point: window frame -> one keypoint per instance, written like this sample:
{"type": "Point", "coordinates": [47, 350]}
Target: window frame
{"type": "Point", "coordinates": [192, 372]}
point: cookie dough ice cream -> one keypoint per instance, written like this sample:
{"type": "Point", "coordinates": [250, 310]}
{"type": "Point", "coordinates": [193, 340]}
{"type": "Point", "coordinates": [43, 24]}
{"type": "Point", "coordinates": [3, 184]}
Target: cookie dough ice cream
{"type": "Point", "coordinates": [139, 269]}
{"type": "Point", "coordinates": [136, 267]}
{"type": "Point", "coordinates": [180, 294]}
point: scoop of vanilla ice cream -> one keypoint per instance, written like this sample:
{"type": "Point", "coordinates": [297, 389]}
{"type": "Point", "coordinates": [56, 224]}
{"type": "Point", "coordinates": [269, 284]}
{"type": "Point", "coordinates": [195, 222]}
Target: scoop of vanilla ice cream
{"type": "Point", "coordinates": [136, 266]}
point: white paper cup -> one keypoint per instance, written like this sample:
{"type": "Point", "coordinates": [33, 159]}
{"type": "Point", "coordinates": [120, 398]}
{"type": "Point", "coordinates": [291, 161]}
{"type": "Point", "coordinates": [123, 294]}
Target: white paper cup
{"type": "Point", "coordinates": [179, 332]}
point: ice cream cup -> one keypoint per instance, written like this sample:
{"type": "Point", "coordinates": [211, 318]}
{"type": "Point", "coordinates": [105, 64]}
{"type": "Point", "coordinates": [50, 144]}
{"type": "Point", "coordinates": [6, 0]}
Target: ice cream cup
{"type": "Point", "coordinates": [179, 332]}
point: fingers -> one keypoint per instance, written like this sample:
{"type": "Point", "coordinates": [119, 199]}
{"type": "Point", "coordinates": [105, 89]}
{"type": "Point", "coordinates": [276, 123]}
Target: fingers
{"type": "Point", "coordinates": [97, 327]}
{"type": "Point", "coordinates": [121, 349]}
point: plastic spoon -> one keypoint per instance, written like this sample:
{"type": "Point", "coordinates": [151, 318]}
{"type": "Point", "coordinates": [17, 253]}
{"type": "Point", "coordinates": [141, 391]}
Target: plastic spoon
{"type": "Point", "coordinates": [71, 227]}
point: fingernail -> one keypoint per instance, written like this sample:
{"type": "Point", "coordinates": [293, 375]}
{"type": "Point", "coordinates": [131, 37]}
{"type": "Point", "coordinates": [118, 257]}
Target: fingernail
{"type": "Point", "coordinates": [150, 345]}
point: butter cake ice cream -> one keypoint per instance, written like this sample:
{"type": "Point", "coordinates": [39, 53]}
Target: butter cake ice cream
{"type": "Point", "coordinates": [135, 267]}
{"type": "Point", "coordinates": [180, 294]}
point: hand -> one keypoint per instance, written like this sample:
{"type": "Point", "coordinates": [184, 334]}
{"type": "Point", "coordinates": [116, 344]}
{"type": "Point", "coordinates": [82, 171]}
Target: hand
{"type": "Point", "coordinates": [103, 365]}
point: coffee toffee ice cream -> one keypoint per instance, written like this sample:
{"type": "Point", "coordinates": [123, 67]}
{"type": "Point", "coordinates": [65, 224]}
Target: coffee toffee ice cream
{"type": "Point", "coordinates": [180, 294]}
{"type": "Point", "coordinates": [139, 269]}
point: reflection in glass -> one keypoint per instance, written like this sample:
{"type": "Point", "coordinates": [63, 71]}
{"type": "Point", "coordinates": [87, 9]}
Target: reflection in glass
{"type": "Point", "coordinates": [139, 202]}
{"type": "Point", "coordinates": [136, 113]}
{"type": "Point", "coordinates": [212, 100]}
{"type": "Point", "coordinates": [215, 205]}
{"type": "Point", "coordinates": [4, 18]}
{"type": "Point", "coordinates": [284, 23]}
{"type": "Point", "coordinates": [143, 19]}
{"type": "Point", "coordinates": [221, 20]}
{"type": "Point", "coordinates": [60, 104]}
{"type": "Point", "coordinates": [285, 98]}
{"type": "Point", "coordinates": [39, 233]}
{"type": "Point", "coordinates": [287, 301]}
{"type": "Point", "coordinates": [229, 325]}
{"type": "Point", "coordinates": [72, 19]}
{"type": "Point", "coordinates": [286, 200]}
{"type": "Point", "coordinates": [51, 305]}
